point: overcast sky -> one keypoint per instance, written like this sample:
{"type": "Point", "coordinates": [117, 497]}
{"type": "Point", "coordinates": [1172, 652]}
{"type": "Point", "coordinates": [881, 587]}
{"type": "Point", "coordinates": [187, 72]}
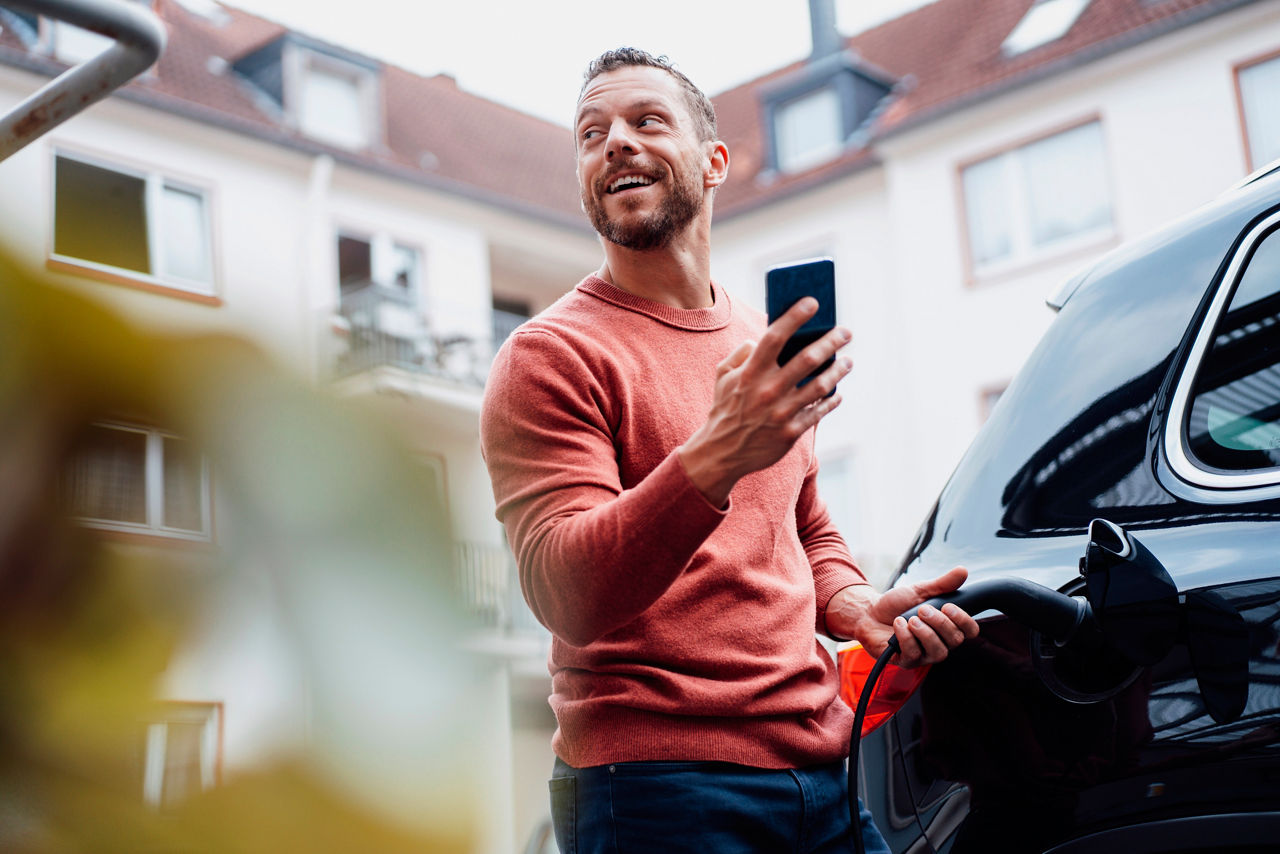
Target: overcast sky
{"type": "Point", "coordinates": [529, 54]}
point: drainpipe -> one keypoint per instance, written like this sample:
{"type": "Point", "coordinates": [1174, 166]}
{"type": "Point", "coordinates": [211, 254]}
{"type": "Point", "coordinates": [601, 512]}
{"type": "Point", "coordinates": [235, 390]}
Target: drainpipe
{"type": "Point", "coordinates": [319, 287]}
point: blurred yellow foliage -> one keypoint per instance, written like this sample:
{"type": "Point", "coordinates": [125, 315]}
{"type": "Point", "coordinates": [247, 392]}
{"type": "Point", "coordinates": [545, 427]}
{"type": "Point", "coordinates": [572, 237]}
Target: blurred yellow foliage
{"type": "Point", "coordinates": [330, 555]}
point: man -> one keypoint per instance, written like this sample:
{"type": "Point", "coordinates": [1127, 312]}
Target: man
{"type": "Point", "coordinates": [654, 468]}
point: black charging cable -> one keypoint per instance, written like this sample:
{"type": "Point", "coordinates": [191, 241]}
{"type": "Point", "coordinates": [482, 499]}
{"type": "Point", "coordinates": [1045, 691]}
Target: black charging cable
{"type": "Point", "coordinates": [1053, 614]}
{"type": "Point", "coordinates": [855, 740]}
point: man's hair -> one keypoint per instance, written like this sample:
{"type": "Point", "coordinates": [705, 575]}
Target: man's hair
{"type": "Point", "coordinates": [704, 115]}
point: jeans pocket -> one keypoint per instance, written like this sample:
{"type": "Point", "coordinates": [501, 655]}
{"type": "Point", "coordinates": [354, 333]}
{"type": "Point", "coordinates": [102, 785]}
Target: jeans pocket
{"type": "Point", "coordinates": [564, 813]}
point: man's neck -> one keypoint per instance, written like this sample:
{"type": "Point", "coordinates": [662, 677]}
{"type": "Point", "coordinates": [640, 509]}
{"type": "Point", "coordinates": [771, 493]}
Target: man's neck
{"type": "Point", "coordinates": [678, 275]}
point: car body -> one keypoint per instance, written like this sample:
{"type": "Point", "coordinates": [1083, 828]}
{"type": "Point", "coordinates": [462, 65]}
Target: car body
{"type": "Point", "coordinates": [1153, 402]}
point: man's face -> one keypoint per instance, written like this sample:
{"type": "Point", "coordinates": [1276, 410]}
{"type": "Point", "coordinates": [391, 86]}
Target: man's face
{"type": "Point", "coordinates": [640, 162]}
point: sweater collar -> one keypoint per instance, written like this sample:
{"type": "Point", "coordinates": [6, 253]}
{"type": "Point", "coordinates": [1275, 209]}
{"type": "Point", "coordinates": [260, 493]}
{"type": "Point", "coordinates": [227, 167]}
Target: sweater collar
{"type": "Point", "coordinates": [697, 319]}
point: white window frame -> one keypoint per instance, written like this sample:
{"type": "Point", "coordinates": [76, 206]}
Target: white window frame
{"type": "Point", "coordinates": [209, 716]}
{"type": "Point", "coordinates": [1045, 22]}
{"type": "Point", "coordinates": [300, 62]}
{"type": "Point", "coordinates": [382, 251]}
{"type": "Point", "coordinates": [1023, 250]}
{"type": "Point", "coordinates": [791, 159]}
{"type": "Point", "coordinates": [154, 185]}
{"type": "Point", "coordinates": [153, 478]}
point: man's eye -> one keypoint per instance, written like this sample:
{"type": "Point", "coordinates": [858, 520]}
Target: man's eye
{"type": "Point", "coordinates": [588, 134]}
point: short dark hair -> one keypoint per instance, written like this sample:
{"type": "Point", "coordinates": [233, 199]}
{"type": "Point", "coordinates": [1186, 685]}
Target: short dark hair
{"type": "Point", "coordinates": [704, 115]}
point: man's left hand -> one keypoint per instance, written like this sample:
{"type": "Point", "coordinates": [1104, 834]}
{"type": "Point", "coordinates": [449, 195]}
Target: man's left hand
{"type": "Point", "coordinates": [871, 618]}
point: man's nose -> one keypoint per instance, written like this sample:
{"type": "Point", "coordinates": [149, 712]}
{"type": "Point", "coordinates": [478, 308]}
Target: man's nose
{"type": "Point", "coordinates": [620, 141]}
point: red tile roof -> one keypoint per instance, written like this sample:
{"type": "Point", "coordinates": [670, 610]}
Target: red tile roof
{"type": "Point", "coordinates": [945, 55]}
{"type": "Point", "coordinates": [435, 134]}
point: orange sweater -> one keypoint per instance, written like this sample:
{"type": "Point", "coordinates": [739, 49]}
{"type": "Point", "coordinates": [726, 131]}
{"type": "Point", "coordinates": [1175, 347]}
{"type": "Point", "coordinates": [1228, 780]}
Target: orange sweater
{"type": "Point", "coordinates": [680, 630]}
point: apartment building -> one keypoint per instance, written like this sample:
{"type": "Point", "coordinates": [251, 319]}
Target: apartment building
{"type": "Point", "coordinates": [960, 163]}
{"type": "Point", "coordinates": [376, 232]}
{"type": "Point", "coordinates": [380, 233]}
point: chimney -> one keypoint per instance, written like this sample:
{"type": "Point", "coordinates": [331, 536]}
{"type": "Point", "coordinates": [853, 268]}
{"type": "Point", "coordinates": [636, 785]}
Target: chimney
{"type": "Point", "coordinates": [822, 24]}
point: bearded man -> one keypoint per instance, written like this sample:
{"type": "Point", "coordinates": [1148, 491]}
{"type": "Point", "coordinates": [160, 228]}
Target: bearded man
{"type": "Point", "coordinates": [654, 468]}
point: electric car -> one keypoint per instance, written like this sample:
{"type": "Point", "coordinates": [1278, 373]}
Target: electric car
{"type": "Point", "coordinates": [1148, 418]}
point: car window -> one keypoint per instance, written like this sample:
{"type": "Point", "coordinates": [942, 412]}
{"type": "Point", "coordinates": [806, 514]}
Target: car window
{"type": "Point", "coordinates": [1228, 415]}
{"type": "Point", "coordinates": [1235, 406]}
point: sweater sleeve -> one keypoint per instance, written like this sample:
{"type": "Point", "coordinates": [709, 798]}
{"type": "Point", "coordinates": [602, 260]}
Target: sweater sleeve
{"type": "Point", "coordinates": [833, 566]}
{"type": "Point", "coordinates": [591, 555]}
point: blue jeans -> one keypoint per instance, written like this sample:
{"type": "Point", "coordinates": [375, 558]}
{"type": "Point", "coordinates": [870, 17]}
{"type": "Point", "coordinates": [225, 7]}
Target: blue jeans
{"type": "Point", "coordinates": [704, 808]}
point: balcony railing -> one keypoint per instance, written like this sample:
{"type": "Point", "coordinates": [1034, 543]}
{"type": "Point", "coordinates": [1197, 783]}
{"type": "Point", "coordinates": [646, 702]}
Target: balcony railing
{"type": "Point", "coordinates": [491, 589]}
{"type": "Point", "coordinates": [376, 326]}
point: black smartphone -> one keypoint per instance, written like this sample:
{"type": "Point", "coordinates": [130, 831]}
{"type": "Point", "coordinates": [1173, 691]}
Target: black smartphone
{"type": "Point", "coordinates": [785, 286]}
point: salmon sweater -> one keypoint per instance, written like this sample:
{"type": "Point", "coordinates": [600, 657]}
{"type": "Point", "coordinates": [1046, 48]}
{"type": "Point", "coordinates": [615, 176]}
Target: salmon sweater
{"type": "Point", "coordinates": [681, 631]}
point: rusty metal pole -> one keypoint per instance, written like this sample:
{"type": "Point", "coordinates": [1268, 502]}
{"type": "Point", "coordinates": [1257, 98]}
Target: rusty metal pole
{"type": "Point", "coordinates": [139, 38]}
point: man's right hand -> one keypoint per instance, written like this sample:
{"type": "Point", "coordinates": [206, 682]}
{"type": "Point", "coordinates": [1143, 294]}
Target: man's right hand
{"type": "Point", "coordinates": [759, 409]}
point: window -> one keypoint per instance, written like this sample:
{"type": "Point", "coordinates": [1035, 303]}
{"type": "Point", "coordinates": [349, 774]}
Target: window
{"type": "Point", "coordinates": [355, 263]}
{"type": "Point", "coordinates": [182, 753]}
{"type": "Point", "coordinates": [808, 130]}
{"type": "Point", "coordinates": [1046, 21]}
{"type": "Point", "coordinates": [814, 112]}
{"type": "Point", "coordinates": [335, 101]}
{"type": "Point", "coordinates": [393, 268]}
{"type": "Point", "coordinates": [142, 480]}
{"type": "Point", "coordinates": [1260, 107]}
{"type": "Point", "coordinates": [124, 221]}
{"type": "Point", "coordinates": [1224, 423]}
{"type": "Point", "coordinates": [1047, 195]}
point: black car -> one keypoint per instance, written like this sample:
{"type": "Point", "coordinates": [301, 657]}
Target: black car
{"type": "Point", "coordinates": [1146, 421]}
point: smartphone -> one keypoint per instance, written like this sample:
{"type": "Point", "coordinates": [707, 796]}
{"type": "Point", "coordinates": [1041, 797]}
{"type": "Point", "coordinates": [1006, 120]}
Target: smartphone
{"type": "Point", "coordinates": [785, 286]}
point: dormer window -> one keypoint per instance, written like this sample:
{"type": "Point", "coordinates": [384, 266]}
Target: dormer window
{"type": "Point", "coordinates": [327, 94]}
{"type": "Point", "coordinates": [335, 101]}
{"type": "Point", "coordinates": [813, 114]}
{"type": "Point", "coordinates": [808, 129]}
{"type": "Point", "coordinates": [1046, 21]}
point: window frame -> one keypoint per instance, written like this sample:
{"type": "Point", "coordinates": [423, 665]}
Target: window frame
{"type": "Point", "coordinates": [1025, 253]}
{"type": "Point", "coordinates": [1215, 485]}
{"type": "Point", "coordinates": [1035, 16]}
{"type": "Point", "coordinates": [210, 716]}
{"type": "Point", "coordinates": [155, 183]}
{"type": "Point", "coordinates": [860, 94]}
{"type": "Point", "coordinates": [301, 61]}
{"type": "Point", "coordinates": [790, 162]}
{"type": "Point", "coordinates": [382, 250]}
{"type": "Point", "coordinates": [1271, 56]}
{"type": "Point", "coordinates": [153, 491]}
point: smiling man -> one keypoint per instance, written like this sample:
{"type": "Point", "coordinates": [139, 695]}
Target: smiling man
{"type": "Point", "coordinates": [654, 468]}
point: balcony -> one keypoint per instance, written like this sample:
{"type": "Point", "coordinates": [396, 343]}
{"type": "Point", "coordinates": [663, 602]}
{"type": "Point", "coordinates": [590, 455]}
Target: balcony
{"type": "Point", "coordinates": [377, 328]}
{"type": "Point", "coordinates": [490, 589]}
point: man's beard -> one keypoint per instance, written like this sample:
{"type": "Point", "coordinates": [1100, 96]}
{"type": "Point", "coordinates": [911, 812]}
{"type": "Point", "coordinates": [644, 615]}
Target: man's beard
{"type": "Point", "coordinates": [678, 208]}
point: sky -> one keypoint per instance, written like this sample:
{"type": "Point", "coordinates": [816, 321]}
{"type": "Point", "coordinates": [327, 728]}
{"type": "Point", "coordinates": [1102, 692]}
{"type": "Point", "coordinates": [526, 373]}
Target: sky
{"type": "Point", "coordinates": [529, 54]}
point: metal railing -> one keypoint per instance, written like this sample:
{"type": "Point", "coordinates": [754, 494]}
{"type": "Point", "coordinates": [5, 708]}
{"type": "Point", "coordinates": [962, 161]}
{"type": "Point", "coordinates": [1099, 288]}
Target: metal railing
{"type": "Point", "coordinates": [139, 39]}
{"type": "Point", "coordinates": [375, 327]}
{"type": "Point", "coordinates": [490, 588]}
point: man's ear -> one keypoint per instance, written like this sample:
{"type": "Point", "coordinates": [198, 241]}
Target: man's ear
{"type": "Point", "coordinates": [717, 169]}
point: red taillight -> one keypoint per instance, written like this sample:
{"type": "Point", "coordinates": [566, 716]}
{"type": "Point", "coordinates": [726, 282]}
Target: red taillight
{"type": "Point", "coordinates": [892, 690]}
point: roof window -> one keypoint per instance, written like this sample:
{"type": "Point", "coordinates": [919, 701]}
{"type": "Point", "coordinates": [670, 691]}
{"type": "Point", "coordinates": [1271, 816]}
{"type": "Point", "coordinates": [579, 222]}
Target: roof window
{"type": "Point", "coordinates": [1046, 21]}
{"type": "Point", "coordinates": [813, 115]}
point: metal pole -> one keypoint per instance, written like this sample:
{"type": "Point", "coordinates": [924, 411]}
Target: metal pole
{"type": "Point", "coordinates": [139, 38]}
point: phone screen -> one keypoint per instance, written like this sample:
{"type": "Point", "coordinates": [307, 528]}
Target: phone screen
{"type": "Point", "coordinates": [785, 286]}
